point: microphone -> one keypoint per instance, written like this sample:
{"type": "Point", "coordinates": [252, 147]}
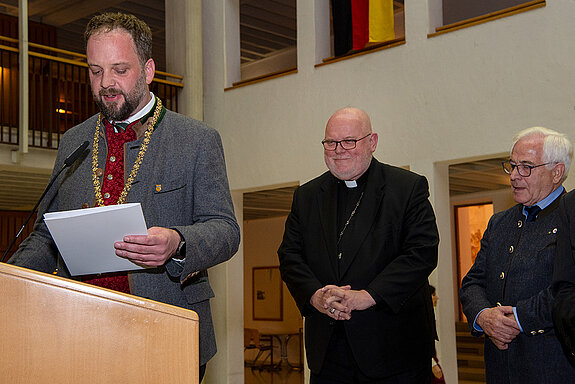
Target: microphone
{"type": "Point", "coordinates": [71, 159]}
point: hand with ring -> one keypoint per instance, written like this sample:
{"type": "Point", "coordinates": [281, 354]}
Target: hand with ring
{"type": "Point", "coordinates": [329, 304]}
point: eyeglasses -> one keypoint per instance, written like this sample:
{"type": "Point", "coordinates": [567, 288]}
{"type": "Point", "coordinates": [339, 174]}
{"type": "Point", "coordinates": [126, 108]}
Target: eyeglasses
{"type": "Point", "coordinates": [347, 144]}
{"type": "Point", "coordinates": [524, 170]}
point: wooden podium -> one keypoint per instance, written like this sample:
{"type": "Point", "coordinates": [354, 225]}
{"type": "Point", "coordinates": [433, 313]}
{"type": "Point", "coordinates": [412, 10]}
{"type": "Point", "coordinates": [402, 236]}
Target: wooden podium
{"type": "Point", "coordinates": [56, 330]}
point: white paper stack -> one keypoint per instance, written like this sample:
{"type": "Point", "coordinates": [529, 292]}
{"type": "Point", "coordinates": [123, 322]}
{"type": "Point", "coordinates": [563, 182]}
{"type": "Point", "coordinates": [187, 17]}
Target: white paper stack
{"type": "Point", "coordinates": [86, 237]}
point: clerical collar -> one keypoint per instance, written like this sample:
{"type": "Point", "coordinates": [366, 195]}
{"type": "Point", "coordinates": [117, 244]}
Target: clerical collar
{"type": "Point", "coordinates": [356, 183]}
{"type": "Point", "coordinates": [141, 113]}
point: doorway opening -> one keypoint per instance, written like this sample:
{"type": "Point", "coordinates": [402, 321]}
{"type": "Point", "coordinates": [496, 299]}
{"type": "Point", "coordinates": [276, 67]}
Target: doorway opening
{"type": "Point", "coordinates": [477, 190]}
{"type": "Point", "coordinates": [273, 345]}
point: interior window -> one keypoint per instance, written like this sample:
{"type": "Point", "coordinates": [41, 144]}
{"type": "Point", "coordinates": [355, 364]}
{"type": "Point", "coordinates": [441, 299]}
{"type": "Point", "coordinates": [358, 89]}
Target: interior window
{"type": "Point", "coordinates": [464, 13]}
{"type": "Point", "coordinates": [268, 37]}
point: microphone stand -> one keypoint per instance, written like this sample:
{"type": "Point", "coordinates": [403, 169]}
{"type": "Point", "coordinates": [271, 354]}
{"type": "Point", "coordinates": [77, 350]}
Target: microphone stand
{"type": "Point", "coordinates": [69, 161]}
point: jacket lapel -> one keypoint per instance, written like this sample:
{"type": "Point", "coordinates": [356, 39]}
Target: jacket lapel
{"type": "Point", "coordinates": [327, 203]}
{"type": "Point", "coordinates": [365, 217]}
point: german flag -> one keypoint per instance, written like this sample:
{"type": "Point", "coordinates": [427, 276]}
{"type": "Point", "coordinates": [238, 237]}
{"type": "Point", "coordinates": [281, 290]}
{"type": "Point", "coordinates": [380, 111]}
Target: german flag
{"type": "Point", "coordinates": [358, 23]}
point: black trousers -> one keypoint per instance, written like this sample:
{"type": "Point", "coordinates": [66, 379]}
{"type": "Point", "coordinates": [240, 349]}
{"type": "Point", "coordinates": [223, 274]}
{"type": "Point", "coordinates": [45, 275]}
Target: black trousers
{"type": "Point", "coordinates": [340, 367]}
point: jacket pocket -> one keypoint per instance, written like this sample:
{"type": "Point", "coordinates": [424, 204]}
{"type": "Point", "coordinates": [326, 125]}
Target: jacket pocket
{"type": "Point", "coordinates": [200, 291]}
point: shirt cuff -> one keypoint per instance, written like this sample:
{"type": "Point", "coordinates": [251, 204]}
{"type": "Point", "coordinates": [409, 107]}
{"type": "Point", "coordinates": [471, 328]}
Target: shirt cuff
{"type": "Point", "coordinates": [475, 325]}
{"type": "Point", "coordinates": [517, 318]}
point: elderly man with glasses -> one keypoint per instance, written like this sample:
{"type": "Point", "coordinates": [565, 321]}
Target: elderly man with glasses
{"type": "Point", "coordinates": [359, 245]}
{"type": "Point", "coordinates": [506, 294]}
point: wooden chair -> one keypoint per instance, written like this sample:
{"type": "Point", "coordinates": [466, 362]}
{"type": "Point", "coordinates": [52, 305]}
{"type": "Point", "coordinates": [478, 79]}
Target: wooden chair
{"type": "Point", "coordinates": [262, 343]}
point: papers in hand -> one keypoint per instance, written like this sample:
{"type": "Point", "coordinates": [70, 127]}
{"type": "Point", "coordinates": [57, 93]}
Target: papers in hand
{"type": "Point", "coordinates": [85, 237]}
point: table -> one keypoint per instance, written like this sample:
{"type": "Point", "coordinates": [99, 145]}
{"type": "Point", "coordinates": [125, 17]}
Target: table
{"type": "Point", "coordinates": [283, 339]}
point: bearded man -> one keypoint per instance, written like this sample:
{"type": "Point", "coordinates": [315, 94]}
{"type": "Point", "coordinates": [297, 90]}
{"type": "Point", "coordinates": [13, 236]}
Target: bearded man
{"type": "Point", "coordinates": [141, 152]}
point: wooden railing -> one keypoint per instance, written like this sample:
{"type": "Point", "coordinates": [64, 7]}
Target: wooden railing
{"type": "Point", "coordinates": [10, 223]}
{"type": "Point", "coordinates": [59, 92]}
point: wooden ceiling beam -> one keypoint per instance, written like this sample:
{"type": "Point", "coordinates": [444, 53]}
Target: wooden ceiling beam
{"type": "Point", "coordinates": [64, 12]}
{"type": "Point", "coordinates": [246, 30]}
{"type": "Point", "coordinates": [275, 18]}
{"type": "Point", "coordinates": [272, 7]}
{"type": "Point", "coordinates": [250, 56]}
{"type": "Point", "coordinates": [257, 41]}
{"type": "Point", "coordinates": [269, 28]}
{"type": "Point", "coordinates": [477, 176]}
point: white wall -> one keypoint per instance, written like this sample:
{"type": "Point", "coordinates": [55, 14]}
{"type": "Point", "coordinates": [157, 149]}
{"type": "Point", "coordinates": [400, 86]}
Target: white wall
{"type": "Point", "coordinates": [453, 96]}
{"type": "Point", "coordinates": [433, 101]}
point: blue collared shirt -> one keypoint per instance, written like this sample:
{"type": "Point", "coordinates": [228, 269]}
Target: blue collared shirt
{"type": "Point", "coordinates": [548, 200]}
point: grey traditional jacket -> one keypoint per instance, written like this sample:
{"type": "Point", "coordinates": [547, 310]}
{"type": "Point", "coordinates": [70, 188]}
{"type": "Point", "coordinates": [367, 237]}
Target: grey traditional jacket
{"type": "Point", "coordinates": [181, 184]}
{"type": "Point", "coordinates": [514, 267]}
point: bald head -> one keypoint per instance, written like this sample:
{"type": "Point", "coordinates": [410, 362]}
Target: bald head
{"type": "Point", "coordinates": [352, 113]}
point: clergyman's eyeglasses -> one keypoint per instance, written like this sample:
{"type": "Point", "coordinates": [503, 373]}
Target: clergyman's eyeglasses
{"type": "Point", "coordinates": [347, 144]}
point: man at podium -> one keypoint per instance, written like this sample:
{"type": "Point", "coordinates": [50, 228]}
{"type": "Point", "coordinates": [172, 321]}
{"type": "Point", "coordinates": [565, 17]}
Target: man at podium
{"type": "Point", "coordinates": [141, 152]}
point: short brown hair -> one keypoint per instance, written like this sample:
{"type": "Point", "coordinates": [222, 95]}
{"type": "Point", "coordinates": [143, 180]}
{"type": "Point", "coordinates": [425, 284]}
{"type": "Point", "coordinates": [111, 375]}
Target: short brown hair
{"type": "Point", "coordinates": [139, 30]}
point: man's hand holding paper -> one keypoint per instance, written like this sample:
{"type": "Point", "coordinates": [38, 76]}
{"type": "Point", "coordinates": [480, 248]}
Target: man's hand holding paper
{"type": "Point", "coordinates": [151, 250]}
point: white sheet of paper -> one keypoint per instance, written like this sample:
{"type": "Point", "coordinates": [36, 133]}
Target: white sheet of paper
{"type": "Point", "coordinates": [85, 237]}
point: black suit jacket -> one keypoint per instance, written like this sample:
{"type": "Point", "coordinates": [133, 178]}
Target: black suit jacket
{"type": "Point", "coordinates": [393, 242]}
{"type": "Point", "coordinates": [564, 279]}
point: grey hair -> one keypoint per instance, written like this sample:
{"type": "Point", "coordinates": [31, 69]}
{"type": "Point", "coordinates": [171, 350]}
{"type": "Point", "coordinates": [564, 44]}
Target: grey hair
{"type": "Point", "coordinates": [557, 148]}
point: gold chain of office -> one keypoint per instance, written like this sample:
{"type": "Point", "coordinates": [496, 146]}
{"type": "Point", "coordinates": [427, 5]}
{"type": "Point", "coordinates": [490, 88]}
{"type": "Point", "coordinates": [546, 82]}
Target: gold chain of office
{"type": "Point", "coordinates": [137, 163]}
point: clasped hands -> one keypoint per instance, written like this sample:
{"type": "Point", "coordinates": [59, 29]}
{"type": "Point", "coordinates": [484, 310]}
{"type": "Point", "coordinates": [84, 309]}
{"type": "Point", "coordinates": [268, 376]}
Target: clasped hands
{"type": "Point", "coordinates": [151, 250]}
{"type": "Point", "coordinates": [339, 302]}
{"type": "Point", "coordinates": [499, 325]}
